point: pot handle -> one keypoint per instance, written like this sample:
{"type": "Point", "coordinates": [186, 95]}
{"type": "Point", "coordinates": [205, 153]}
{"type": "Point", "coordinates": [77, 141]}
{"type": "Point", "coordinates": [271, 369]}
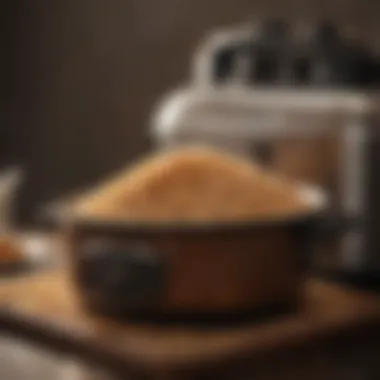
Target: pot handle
{"type": "Point", "coordinates": [121, 276]}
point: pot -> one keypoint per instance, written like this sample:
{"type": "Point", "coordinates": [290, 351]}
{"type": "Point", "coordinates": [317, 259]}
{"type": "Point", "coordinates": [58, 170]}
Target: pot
{"type": "Point", "coordinates": [121, 268]}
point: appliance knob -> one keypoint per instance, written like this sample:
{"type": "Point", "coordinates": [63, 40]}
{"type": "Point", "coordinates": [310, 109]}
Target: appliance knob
{"type": "Point", "coordinates": [338, 62]}
{"type": "Point", "coordinates": [364, 67]}
{"type": "Point", "coordinates": [120, 276]}
{"type": "Point", "coordinates": [301, 70]}
{"type": "Point", "coordinates": [327, 69]}
{"type": "Point", "coordinates": [324, 35]}
{"type": "Point", "coordinates": [268, 50]}
{"type": "Point", "coordinates": [350, 66]}
{"type": "Point", "coordinates": [224, 63]}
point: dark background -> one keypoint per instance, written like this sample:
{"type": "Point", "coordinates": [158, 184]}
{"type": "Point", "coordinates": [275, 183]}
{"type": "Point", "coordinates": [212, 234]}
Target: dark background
{"type": "Point", "coordinates": [80, 77]}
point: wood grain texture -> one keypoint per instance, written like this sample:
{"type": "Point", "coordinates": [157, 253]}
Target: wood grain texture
{"type": "Point", "coordinates": [45, 307]}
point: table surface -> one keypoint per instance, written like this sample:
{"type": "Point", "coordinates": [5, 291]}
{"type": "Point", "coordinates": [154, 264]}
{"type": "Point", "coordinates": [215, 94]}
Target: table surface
{"type": "Point", "coordinates": [45, 306]}
{"type": "Point", "coordinates": [25, 360]}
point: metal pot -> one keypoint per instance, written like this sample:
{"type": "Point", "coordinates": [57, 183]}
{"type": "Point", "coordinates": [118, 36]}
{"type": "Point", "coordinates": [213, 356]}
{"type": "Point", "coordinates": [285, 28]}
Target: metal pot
{"type": "Point", "coordinates": [122, 268]}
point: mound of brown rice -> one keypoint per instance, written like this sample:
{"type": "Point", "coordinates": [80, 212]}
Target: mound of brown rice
{"type": "Point", "coordinates": [193, 184]}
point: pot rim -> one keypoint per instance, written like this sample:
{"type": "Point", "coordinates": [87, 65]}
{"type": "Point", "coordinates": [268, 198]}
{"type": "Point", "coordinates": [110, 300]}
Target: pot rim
{"type": "Point", "coordinates": [313, 195]}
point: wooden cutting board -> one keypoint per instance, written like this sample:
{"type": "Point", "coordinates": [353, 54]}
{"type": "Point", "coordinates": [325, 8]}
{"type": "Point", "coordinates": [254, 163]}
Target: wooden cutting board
{"type": "Point", "coordinates": [44, 307]}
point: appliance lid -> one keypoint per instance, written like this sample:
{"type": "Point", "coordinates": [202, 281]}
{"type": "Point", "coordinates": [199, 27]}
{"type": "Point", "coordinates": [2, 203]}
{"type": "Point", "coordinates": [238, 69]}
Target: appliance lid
{"type": "Point", "coordinates": [237, 111]}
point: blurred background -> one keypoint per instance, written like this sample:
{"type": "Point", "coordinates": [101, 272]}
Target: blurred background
{"type": "Point", "coordinates": [81, 76]}
{"type": "Point", "coordinates": [81, 80]}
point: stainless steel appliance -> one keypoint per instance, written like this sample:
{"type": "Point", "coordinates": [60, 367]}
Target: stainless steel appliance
{"type": "Point", "coordinates": [312, 115]}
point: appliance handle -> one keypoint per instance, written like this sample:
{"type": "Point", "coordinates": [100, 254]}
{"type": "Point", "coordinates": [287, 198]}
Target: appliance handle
{"type": "Point", "coordinates": [202, 66]}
